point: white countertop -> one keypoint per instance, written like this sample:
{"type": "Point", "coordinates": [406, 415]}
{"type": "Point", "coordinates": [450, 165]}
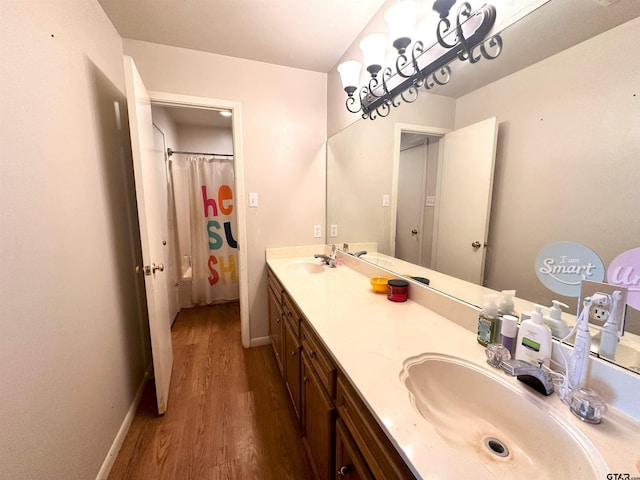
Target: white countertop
{"type": "Point", "coordinates": [370, 337]}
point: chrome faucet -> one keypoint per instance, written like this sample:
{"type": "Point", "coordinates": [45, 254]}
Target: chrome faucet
{"type": "Point", "coordinates": [328, 259]}
{"type": "Point", "coordinates": [360, 253]}
{"type": "Point", "coordinates": [534, 376]}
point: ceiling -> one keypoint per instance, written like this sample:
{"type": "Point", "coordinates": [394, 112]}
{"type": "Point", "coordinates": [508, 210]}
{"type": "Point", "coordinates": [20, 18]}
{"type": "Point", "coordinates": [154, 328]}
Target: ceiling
{"type": "Point", "coordinates": [305, 34]}
{"type": "Point", "coordinates": [315, 34]}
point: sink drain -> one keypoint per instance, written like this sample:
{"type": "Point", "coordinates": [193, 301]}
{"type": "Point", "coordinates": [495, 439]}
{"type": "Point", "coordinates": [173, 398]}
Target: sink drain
{"type": "Point", "coordinates": [496, 447]}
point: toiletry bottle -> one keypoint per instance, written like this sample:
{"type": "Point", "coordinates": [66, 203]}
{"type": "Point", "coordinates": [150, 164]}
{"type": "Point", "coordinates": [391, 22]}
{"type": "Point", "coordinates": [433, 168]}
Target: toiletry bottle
{"type": "Point", "coordinates": [581, 348]}
{"type": "Point", "coordinates": [488, 322]}
{"type": "Point", "coordinates": [509, 333]}
{"type": "Point", "coordinates": [506, 306]}
{"type": "Point", "coordinates": [554, 321]}
{"type": "Point", "coordinates": [609, 337]}
{"type": "Point", "coordinates": [534, 339]}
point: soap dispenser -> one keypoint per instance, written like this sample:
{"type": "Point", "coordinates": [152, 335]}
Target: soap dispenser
{"type": "Point", "coordinates": [534, 339]}
{"type": "Point", "coordinates": [554, 321]}
{"type": "Point", "coordinates": [489, 322]}
{"type": "Point", "coordinates": [506, 306]}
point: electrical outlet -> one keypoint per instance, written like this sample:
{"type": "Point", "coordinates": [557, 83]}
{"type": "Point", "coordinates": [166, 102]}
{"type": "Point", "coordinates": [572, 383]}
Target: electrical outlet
{"type": "Point", "coordinates": [601, 294]}
{"type": "Point", "coordinates": [253, 200]}
{"type": "Point", "coordinates": [600, 307]}
{"type": "Point", "coordinates": [317, 231]}
{"type": "Point", "coordinates": [385, 200]}
{"type": "Point", "coordinates": [334, 230]}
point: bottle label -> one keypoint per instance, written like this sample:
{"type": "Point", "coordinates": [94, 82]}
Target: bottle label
{"type": "Point", "coordinates": [484, 331]}
{"type": "Point", "coordinates": [530, 344]}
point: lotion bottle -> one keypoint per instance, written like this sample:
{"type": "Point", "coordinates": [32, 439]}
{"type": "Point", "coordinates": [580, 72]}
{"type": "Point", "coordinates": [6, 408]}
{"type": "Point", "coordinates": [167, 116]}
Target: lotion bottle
{"type": "Point", "coordinates": [534, 339]}
{"type": "Point", "coordinates": [488, 322]}
{"type": "Point", "coordinates": [554, 321]}
{"type": "Point", "coordinates": [509, 333]}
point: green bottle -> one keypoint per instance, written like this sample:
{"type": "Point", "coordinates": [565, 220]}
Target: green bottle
{"type": "Point", "coordinates": [489, 322]}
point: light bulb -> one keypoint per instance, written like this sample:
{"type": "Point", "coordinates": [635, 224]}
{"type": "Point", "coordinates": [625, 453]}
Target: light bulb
{"type": "Point", "coordinates": [373, 48]}
{"type": "Point", "coordinates": [401, 20]}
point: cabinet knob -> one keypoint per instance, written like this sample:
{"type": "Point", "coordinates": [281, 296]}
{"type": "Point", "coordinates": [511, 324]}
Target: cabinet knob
{"type": "Point", "coordinates": [344, 470]}
{"type": "Point", "coordinates": [293, 353]}
{"type": "Point", "coordinates": [313, 354]}
{"type": "Point", "coordinates": [305, 379]}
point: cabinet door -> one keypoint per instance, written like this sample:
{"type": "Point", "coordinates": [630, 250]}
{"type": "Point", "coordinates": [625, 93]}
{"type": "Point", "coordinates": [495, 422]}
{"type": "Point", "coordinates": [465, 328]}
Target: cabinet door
{"type": "Point", "coordinates": [349, 462]}
{"type": "Point", "coordinates": [292, 359]}
{"type": "Point", "coordinates": [276, 329]}
{"type": "Point", "coordinates": [318, 415]}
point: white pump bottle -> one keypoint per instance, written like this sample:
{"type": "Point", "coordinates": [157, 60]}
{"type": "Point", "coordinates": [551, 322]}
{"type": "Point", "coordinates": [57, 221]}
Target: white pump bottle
{"type": "Point", "coordinates": [534, 339]}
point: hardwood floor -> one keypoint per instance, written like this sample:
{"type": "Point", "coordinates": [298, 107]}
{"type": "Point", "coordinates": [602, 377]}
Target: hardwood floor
{"type": "Point", "coordinates": [229, 415]}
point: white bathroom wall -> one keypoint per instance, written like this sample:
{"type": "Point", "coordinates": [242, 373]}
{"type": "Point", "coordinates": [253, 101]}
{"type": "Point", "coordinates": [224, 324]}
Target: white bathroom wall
{"type": "Point", "coordinates": [74, 339]}
{"type": "Point", "coordinates": [284, 130]}
{"type": "Point", "coordinates": [568, 131]}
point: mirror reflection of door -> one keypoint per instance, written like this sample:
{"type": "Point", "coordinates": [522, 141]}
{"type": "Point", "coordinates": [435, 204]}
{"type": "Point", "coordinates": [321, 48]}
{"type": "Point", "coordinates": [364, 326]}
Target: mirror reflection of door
{"type": "Point", "coordinates": [417, 176]}
{"type": "Point", "coordinates": [444, 199]}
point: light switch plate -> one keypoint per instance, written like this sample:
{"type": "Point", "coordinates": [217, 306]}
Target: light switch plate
{"type": "Point", "coordinates": [431, 201]}
{"type": "Point", "coordinates": [334, 230]}
{"type": "Point", "coordinates": [317, 231]}
{"type": "Point", "coordinates": [253, 200]}
{"type": "Point", "coordinates": [385, 200]}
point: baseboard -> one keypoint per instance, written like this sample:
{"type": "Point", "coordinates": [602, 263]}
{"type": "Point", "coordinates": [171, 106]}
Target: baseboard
{"type": "Point", "coordinates": [103, 474]}
{"type": "Point", "coordinates": [260, 341]}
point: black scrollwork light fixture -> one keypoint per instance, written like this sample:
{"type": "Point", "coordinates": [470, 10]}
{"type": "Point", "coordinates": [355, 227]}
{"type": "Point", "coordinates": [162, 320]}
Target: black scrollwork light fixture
{"type": "Point", "coordinates": [423, 65]}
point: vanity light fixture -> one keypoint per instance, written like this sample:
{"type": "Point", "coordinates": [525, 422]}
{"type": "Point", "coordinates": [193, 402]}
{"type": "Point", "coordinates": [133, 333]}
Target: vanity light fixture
{"type": "Point", "coordinates": [225, 113]}
{"type": "Point", "coordinates": [422, 65]}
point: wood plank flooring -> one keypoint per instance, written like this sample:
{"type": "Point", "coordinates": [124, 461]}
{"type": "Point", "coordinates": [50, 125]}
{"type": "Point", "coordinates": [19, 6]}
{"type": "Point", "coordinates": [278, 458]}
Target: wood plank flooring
{"type": "Point", "coordinates": [229, 415]}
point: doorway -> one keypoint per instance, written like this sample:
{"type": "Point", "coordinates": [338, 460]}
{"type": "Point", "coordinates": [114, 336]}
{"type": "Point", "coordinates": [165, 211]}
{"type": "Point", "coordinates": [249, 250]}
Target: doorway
{"type": "Point", "coordinates": [417, 184]}
{"type": "Point", "coordinates": [204, 130]}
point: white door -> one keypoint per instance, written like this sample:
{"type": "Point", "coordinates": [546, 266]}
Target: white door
{"type": "Point", "coordinates": [150, 180]}
{"type": "Point", "coordinates": [465, 201]}
{"type": "Point", "coordinates": [410, 213]}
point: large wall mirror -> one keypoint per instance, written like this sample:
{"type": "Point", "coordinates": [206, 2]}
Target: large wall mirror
{"type": "Point", "coordinates": [565, 98]}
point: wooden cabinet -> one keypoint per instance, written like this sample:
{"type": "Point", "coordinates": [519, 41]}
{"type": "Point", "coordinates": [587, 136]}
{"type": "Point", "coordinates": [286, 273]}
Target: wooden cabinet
{"type": "Point", "coordinates": [292, 349]}
{"type": "Point", "coordinates": [276, 325]}
{"type": "Point", "coordinates": [317, 422]}
{"type": "Point", "coordinates": [352, 446]}
{"type": "Point", "coordinates": [380, 456]}
{"type": "Point", "coordinates": [349, 463]}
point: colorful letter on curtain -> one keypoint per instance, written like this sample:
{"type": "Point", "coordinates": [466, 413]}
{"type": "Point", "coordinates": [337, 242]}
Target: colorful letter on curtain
{"type": "Point", "coordinates": [213, 223]}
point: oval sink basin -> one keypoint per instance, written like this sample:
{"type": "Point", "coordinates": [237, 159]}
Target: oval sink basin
{"type": "Point", "coordinates": [306, 268]}
{"type": "Point", "coordinates": [511, 434]}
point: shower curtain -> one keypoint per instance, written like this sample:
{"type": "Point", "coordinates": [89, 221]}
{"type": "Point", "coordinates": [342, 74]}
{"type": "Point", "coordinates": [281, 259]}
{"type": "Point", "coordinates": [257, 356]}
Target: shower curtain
{"type": "Point", "coordinates": [213, 226]}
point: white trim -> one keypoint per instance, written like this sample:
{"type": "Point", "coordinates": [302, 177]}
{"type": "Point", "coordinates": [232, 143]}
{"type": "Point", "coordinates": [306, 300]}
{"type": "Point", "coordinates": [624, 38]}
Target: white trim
{"type": "Point", "coordinates": [397, 136]}
{"type": "Point", "coordinates": [110, 459]}
{"type": "Point", "coordinates": [260, 341]}
{"type": "Point", "coordinates": [175, 99]}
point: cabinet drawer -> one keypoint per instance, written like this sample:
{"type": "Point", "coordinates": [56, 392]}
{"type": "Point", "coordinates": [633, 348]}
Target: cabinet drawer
{"type": "Point", "coordinates": [383, 460]}
{"type": "Point", "coordinates": [292, 313]}
{"type": "Point", "coordinates": [319, 359]}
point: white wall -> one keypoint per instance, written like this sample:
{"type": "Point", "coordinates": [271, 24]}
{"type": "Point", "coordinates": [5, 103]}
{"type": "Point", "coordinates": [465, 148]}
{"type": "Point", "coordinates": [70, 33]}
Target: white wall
{"type": "Point", "coordinates": [284, 130]}
{"type": "Point", "coordinates": [74, 338]}
{"type": "Point", "coordinates": [568, 142]}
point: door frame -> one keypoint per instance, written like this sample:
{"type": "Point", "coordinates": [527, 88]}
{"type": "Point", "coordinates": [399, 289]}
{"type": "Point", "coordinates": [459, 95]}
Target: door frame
{"type": "Point", "coordinates": [397, 138]}
{"type": "Point", "coordinates": [189, 101]}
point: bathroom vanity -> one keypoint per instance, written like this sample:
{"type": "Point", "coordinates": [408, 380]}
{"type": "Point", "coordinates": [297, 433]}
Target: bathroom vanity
{"type": "Point", "coordinates": [358, 370]}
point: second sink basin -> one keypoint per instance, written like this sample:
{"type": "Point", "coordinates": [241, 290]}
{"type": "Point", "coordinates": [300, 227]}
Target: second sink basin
{"type": "Point", "coordinates": [513, 435]}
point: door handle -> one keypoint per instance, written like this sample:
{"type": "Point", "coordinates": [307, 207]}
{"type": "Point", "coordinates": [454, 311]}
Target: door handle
{"type": "Point", "coordinates": [476, 245]}
{"type": "Point", "coordinates": [414, 232]}
{"type": "Point", "coordinates": [149, 270]}
{"type": "Point", "coordinates": [155, 267]}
